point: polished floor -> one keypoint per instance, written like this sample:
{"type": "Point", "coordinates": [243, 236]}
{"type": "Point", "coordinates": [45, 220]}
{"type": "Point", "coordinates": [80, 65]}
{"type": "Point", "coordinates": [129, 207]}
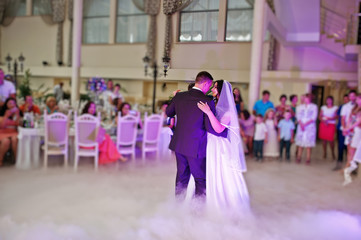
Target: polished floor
{"type": "Point", "coordinates": [134, 200]}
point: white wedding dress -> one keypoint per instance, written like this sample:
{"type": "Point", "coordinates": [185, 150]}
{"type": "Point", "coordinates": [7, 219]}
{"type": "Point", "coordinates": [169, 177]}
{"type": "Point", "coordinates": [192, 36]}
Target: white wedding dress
{"type": "Point", "coordinates": [226, 188]}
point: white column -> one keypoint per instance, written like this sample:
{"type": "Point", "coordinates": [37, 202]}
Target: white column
{"type": "Point", "coordinates": [29, 7]}
{"type": "Point", "coordinates": [222, 21]}
{"type": "Point", "coordinates": [256, 53]}
{"type": "Point", "coordinates": [77, 38]}
{"type": "Point", "coordinates": [112, 21]}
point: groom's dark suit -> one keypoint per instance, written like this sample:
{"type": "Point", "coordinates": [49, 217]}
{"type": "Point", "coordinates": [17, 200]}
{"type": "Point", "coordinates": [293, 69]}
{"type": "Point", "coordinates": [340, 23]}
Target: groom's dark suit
{"type": "Point", "coordinates": [190, 138]}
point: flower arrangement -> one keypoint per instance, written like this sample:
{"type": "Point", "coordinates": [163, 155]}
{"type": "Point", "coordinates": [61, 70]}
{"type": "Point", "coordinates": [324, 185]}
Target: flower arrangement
{"type": "Point", "coordinates": [96, 85]}
{"type": "Point", "coordinates": [24, 88]}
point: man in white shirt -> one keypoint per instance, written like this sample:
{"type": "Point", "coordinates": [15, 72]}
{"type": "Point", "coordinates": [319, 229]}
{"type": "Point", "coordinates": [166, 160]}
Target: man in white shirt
{"type": "Point", "coordinates": [346, 111]}
{"type": "Point", "coordinates": [58, 92]}
{"type": "Point", "coordinates": [7, 88]}
{"type": "Point", "coordinates": [345, 116]}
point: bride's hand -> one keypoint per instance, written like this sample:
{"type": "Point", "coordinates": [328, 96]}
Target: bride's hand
{"type": "Point", "coordinates": [204, 107]}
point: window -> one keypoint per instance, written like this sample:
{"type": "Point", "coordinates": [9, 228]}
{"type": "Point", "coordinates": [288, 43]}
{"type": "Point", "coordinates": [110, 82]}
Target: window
{"type": "Point", "coordinates": [239, 20]}
{"type": "Point", "coordinates": [132, 24]}
{"type": "Point", "coordinates": [96, 21]}
{"type": "Point", "coordinates": [199, 21]}
{"type": "Point", "coordinates": [41, 8]}
{"type": "Point", "coordinates": [21, 8]}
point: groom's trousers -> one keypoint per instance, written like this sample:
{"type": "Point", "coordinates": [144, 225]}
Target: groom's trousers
{"type": "Point", "coordinates": [185, 167]}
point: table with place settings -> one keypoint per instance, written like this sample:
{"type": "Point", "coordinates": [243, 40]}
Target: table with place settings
{"type": "Point", "coordinates": [28, 153]}
{"type": "Point", "coordinates": [30, 139]}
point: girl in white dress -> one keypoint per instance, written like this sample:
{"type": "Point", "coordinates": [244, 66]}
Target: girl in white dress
{"type": "Point", "coordinates": [271, 147]}
{"type": "Point", "coordinates": [225, 185]}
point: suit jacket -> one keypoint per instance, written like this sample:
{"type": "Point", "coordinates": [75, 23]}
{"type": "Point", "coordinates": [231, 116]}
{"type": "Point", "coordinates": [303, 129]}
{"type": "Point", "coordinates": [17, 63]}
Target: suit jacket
{"type": "Point", "coordinates": [190, 134]}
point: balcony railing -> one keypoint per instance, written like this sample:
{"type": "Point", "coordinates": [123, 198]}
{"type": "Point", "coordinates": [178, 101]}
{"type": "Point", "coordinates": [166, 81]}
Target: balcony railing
{"type": "Point", "coordinates": [338, 26]}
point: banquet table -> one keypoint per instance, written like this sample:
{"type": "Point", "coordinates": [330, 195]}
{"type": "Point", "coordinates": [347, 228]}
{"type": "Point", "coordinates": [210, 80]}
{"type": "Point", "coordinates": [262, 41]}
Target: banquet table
{"type": "Point", "coordinates": [28, 147]}
{"type": "Point", "coordinates": [29, 139]}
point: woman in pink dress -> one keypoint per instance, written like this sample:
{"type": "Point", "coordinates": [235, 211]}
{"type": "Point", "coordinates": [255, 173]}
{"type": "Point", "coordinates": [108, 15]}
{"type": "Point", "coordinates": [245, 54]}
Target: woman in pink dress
{"type": "Point", "coordinates": [108, 152]}
{"type": "Point", "coordinates": [9, 121]}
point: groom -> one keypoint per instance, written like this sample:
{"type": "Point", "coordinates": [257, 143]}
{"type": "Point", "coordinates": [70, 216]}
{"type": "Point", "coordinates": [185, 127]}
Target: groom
{"type": "Point", "coordinates": [189, 141]}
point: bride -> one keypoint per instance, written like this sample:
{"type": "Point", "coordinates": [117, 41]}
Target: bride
{"type": "Point", "coordinates": [225, 185]}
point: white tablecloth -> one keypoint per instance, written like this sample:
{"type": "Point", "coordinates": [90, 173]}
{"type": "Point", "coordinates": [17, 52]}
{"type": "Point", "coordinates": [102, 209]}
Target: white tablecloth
{"type": "Point", "coordinates": [28, 154]}
{"type": "Point", "coordinates": [164, 141]}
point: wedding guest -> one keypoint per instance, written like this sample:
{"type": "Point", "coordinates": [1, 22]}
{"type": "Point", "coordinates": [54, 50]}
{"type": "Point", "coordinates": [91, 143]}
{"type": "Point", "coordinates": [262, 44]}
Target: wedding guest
{"type": "Point", "coordinates": [306, 115]}
{"type": "Point", "coordinates": [355, 143]}
{"type": "Point", "coordinates": [106, 95]}
{"type": "Point", "coordinates": [286, 133]}
{"type": "Point", "coordinates": [117, 102]}
{"type": "Point", "coordinates": [108, 152]}
{"type": "Point", "coordinates": [116, 92]}
{"type": "Point", "coordinates": [168, 121]}
{"type": "Point", "coordinates": [351, 127]}
{"type": "Point", "coordinates": [262, 105]}
{"type": "Point", "coordinates": [340, 136]}
{"type": "Point", "coordinates": [58, 92]}
{"type": "Point", "coordinates": [10, 116]}
{"type": "Point", "coordinates": [327, 126]}
{"type": "Point", "coordinates": [345, 116]}
{"type": "Point", "coordinates": [126, 108]}
{"type": "Point", "coordinates": [29, 106]}
{"type": "Point", "coordinates": [294, 101]}
{"type": "Point", "coordinates": [7, 89]}
{"type": "Point", "coordinates": [51, 106]}
{"type": "Point", "coordinates": [260, 137]}
{"type": "Point", "coordinates": [247, 125]}
{"type": "Point", "coordinates": [238, 100]}
{"type": "Point", "coordinates": [280, 109]}
{"type": "Point", "coordinates": [271, 147]}
{"type": "Point", "coordinates": [190, 86]}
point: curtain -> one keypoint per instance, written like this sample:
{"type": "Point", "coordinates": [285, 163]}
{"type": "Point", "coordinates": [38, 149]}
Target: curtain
{"type": "Point", "coordinates": [150, 7]}
{"type": "Point", "coordinates": [8, 11]}
{"type": "Point", "coordinates": [169, 8]}
{"type": "Point", "coordinates": [70, 45]}
{"type": "Point", "coordinates": [53, 12]}
{"type": "Point", "coordinates": [272, 44]}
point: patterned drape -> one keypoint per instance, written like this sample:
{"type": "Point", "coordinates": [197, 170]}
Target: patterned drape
{"type": "Point", "coordinates": [53, 12]}
{"type": "Point", "coordinates": [58, 7]}
{"type": "Point", "coordinates": [8, 10]}
{"type": "Point", "coordinates": [272, 43]}
{"type": "Point", "coordinates": [150, 7]}
{"type": "Point", "coordinates": [169, 8]}
{"type": "Point", "coordinates": [70, 45]}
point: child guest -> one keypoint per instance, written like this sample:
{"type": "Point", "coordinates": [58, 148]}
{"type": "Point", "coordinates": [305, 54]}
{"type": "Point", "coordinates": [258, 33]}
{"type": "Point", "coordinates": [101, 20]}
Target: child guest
{"type": "Point", "coordinates": [285, 133]}
{"type": "Point", "coordinates": [271, 147]}
{"type": "Point", "coordinates": [260, 136]}
{"type": "Point", "coordinates": [247, 124]}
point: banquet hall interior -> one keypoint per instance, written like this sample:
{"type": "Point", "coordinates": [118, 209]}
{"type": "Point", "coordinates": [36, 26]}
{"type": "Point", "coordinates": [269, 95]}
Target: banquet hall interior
{"type": "Point", "coordinates": [151, 48]}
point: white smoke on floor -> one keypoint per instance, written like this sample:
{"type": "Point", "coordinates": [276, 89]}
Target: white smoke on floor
{"type": "Point", "coordinates": [174, 222]}
{"type": "Point", "coordinates": [136, 202]}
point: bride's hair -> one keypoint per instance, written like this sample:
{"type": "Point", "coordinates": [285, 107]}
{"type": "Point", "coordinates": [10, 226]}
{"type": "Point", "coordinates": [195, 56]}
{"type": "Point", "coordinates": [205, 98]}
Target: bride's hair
{"type": "Point", "coordinates": [219, 87]}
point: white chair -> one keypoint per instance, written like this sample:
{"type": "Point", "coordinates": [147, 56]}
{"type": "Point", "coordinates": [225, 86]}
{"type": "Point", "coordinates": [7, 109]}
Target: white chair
{"type": "Point", "coordinates": [56, 136]}
{"type": "Point", "coordinates": [151, 135]}
{"type": "Point", "coordinates": [127, 134]}
{"type": "Point", "coordinates": [86, 132]}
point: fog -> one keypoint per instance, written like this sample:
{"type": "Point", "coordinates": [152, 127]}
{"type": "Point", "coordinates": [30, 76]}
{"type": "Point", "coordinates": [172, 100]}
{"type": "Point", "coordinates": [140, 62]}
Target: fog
{"type": "Point", "coordinates": [135, 200]}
